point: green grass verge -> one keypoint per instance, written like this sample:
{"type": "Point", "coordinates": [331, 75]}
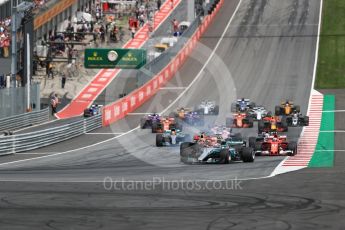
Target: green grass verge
{"type": "Point", "coordinates": [331, 62]}
{"type": "Point", "coordinates": [324, 151]}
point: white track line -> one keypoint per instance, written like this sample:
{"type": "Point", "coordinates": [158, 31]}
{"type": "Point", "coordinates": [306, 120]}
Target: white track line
{"type": "Point", "coordinates": [132, 130]}
{"type": "Point", "coordinates": [35, 153]}
{"type": "Point", "coordinates": [316, 51]}
{"type": "Point", "coordinates": [280, 169]}
{"type": "Point", "coordinates": [208, 60]}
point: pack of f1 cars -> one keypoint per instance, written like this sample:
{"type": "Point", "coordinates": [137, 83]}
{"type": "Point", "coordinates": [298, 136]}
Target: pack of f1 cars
{"type": "Point", "coordinates": [147, 121]}
{"type": "Point", "coordinates": [297, 119]}
{"type": "Point", "coordinates": [207, 108]}
{"type": "Point", "coordinates": [272, 145]}
{"type": "Point", "coordinates": [286, 108]}
{"type": "Point", "coordinates": [93, 110]}
{"type": "Point", "coordinates": [188, 116]}
{"type": "Point", "coordinates": [166, 123]}
{"type": "Point", "coordinates": [242, 105]}
{"type": "Point", "coordinates": [273, 124]}
{"type": "Point", "coordinates": [258, 112]}
{"type": "Point", "coordinates": [171, 138]}
{"type": "Point", "coordinates": [212, 150]}
{"type": "Point", "coordinates": [240, 120]}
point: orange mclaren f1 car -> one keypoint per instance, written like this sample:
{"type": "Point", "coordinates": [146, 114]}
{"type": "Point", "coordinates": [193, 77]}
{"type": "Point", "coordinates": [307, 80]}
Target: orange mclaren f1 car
{"type": "Point", "coordinates": [240, 120]}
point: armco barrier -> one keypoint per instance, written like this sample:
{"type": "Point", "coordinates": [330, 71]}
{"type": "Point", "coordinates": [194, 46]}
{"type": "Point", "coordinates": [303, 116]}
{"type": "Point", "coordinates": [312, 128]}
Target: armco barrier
{"type": "Point", "coordinates": [24, 120]}
{"type": "Point", "coordinates": [119, 109]}
{"type": "Point", "coordinates": [41, 138]}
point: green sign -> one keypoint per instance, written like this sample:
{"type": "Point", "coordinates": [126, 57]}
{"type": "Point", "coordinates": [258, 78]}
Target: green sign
{"type": "Point", "coordinates": [114, 58]}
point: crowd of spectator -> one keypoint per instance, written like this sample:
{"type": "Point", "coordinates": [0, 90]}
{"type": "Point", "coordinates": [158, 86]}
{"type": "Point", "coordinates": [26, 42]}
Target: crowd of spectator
{"type": "Point", "coordinates": [5, 37]}
{"type": "Point", "coordinates": [5, 31]}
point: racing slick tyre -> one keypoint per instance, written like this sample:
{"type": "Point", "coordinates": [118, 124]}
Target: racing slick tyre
{"type": "Point", "coordinates": [159, 140]}
{"type": "Point", "coordinates": [187, 138]}
{"type": "Point", "coordinates": [292, 146]}
{"type": "Point", "coordinates": [257, 147]}
{"type": "Point", "coordinates": [154, 127]}
{"type": "Point", "coordinates": [250, 122]}
{"type": "Point", "coordinates": [216, 110]}
{"type": "Point", "coordinates": [228, 122]}
{"type": "Point", "coordinates": [298, 108]}
{"type": "Point", "coordinates": [200, 111]}
{"type": "Point", "coordinates": [248, 154]}
{"type": "Point", "coordinates": [233, 107]}
{"type": "Point", "coordinates": [284, 124]}
{"type": "Point", "coordinates": [306, 121]}
{"type": "Point", "coordinates": [277, 110]}
{"type": "Point", "coordinates": [188, 150]}
{"type": "Point", "coordinates": [252, 142]}
{"type": "Point", "coordinates": [251, 105]}
{"type": "Point", "coordinates": [238, 136]}
{"type": "Point", "coordinates": [224, 156]}
{"type": "Point", "coordinates": [87, 113]}
{"type": "Point", "coordinates": [143, 123]}
{"type": "Point", "coordinates": [289, 121]}
{"type": "Point", "coordinates": [261, 126]}
{"type": "Point", "coordinates": [176, 126]}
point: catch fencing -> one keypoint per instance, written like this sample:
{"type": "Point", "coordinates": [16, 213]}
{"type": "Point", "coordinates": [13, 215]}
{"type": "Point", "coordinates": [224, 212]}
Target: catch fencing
{"type": "Point", "coordinates": [38, 139]}
{"type": "Point", "coordinates": [13, 101]}
{"type": "Point", "coordinates": [24, 120]}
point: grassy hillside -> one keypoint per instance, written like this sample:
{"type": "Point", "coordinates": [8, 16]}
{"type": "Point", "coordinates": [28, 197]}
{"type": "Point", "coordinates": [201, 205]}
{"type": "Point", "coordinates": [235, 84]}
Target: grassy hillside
{"type": "Point", "coordinates": [331, 63]}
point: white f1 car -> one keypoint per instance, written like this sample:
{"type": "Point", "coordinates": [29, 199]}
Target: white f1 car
{"type": "Point", "coordinates": [258, 112]}
{"type": "Point", "coordinates": [207, 108]}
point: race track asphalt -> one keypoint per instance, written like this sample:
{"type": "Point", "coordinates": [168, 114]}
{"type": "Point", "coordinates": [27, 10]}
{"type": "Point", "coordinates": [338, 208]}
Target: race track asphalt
{"type": "Point", "coordinates": [269, 52]}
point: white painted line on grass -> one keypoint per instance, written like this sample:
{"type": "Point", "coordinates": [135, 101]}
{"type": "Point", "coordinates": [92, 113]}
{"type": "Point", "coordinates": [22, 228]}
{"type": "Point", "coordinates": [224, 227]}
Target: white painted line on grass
{"type": "Point", "coordinates": [332, 131]}
{"type": "Point", "coordinates": [330, 150]}
{"type": "Point", "coordinates": [334, 111]}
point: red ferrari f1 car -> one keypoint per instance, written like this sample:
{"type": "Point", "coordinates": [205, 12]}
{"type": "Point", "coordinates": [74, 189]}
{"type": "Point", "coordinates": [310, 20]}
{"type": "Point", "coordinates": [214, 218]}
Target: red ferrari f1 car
{"type": "Point", "coordinates": [273, 145]}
